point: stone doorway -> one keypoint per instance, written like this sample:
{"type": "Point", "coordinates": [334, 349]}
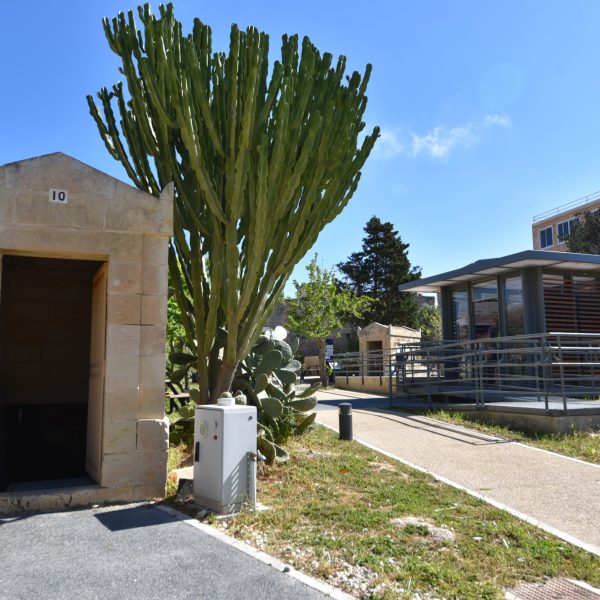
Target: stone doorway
{"type": "Point", "coordinates": [115, 238]}
{"type": "Point", "coordinates": [46, 314]}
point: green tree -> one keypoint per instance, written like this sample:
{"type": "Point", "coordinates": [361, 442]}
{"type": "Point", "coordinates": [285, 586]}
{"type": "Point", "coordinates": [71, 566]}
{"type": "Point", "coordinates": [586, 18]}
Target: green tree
{"type": "Point", "coordinates": [262, 157]}
{"type": "Point", "coordinates": [321, 306]}
{"type": "Point", "coordinates": [377, 271]}
{"type": "Point", "coordinates": [585, 235]}
{"type": "Point", "coordinates": [430, 322]}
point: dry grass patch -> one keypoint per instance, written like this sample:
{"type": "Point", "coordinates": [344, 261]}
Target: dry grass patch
{"type": "Point", "coordinates": [378, 466]}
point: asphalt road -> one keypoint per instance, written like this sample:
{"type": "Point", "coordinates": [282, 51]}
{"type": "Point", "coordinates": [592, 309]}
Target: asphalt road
{"type": "Point", "coordinates": [128, 553]}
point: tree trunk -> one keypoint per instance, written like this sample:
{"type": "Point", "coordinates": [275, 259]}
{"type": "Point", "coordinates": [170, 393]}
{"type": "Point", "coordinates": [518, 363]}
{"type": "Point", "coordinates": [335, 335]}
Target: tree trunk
{"type": "Point", "coordinates": [322, 366]}
{"type": "Point", "coordinates": [224, 381]}
{"type": "Point", "coordinates": [203, 381]}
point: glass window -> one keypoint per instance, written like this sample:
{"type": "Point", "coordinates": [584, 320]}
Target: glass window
{"type": "Point", "coordinates": [485, 309]}
{"type": "Point", "coordinates": [546, 237]}
{"type": "Point", "coordinates": [460, 315]}
{"type": "Point", "coordinates": [563, 231]}
{"type": "Point", "coordinates": [513, 300]}
{"type": "Point", "coordinates": [564, 228]}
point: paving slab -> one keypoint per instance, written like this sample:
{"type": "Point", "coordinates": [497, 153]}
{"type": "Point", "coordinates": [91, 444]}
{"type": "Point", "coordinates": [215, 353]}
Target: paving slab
{"type": "Point", "coordinates": [559, 493]}
{"type": "Point", "coordinates": [128, 553]}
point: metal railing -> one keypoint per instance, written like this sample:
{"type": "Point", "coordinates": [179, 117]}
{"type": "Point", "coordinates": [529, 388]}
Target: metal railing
{"type": "Point", "coordinates": [555, 368]}
{"type": "Point", "coordinates": [580, 202]}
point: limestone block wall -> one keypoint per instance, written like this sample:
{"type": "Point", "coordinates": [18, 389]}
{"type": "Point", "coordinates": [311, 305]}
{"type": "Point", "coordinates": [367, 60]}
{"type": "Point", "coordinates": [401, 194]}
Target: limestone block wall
{"type": "Point", "coordinates": [389, 338]}
{"type": "Point", "coordinates": [366, 383]}
{"type": "Point", "coordinates": [109, 221]}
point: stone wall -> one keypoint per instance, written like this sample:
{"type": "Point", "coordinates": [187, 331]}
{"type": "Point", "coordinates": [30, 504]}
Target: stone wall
{"type": "Point", "coordinates": [344, 339]}
{"type": "Point", "coordinates": [368, 383]}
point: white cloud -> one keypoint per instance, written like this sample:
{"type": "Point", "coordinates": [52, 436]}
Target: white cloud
{"type": "Point", "coordinates": [440, 141]}
{"type": "Point", "coordinates": [500, 120]}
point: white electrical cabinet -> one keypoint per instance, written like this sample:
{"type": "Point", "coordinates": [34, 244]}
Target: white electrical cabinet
{"type": "Point", "coordinates": [225, 457]}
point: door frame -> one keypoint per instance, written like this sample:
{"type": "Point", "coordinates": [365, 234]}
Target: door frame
{"type": "Point", "coordinates": [97, 375]}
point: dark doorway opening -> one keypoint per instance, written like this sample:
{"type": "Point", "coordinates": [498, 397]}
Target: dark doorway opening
{"type": "Point", "coordinates": [45, 320]}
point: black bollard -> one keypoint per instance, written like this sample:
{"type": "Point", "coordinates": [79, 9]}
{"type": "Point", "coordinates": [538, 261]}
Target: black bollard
{"type": "Point", "coordinates": [345, 421]}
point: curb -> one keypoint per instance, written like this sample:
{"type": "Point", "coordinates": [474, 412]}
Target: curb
{"type": "Point", "coordinates": [263, 557]}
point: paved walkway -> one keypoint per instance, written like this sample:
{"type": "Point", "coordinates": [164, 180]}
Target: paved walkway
{"type": "Point", "coordinates": [561, 494]}
{"type": "Point", "coordinates": [128, 553]}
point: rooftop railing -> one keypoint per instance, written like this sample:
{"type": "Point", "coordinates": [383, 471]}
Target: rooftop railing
{"type": "Point", "coordinates": [557, 369]}
{"type": "Point", "coordinates": [580, 202]}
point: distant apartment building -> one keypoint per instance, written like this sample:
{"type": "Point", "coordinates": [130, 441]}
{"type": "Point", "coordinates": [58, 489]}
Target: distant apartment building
{"type": "Point", "coordinates": [550, 229]}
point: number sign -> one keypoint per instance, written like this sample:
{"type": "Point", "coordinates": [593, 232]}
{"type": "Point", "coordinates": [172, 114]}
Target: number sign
{"type": "Point", "coordinates": [58, 196]}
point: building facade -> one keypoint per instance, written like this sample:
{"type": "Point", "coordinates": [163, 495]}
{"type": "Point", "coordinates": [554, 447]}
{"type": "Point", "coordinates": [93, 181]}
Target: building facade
{"type": "Point", "coordinates": [530, 292]}
{"type": "Point", "coordinates": [551, 228]}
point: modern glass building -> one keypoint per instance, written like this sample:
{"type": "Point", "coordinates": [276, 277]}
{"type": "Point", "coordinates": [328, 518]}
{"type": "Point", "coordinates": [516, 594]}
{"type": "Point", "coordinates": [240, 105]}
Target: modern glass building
{"type": "Point", "coordinates": [528, 292]}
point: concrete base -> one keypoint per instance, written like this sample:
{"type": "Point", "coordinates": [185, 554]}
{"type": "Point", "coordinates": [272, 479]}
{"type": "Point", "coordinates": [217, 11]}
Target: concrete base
{"type": "Point", "coordinates": [60, 499]}
{"type": "Point", "coordinates": [532, 422]}
{"type": "Point", "coordinates": [218, 507]}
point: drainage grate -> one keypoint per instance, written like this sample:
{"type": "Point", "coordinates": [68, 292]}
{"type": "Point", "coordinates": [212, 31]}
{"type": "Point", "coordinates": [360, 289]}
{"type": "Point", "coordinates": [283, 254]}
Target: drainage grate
{"type": "Point", "coordinates": [554, 589]}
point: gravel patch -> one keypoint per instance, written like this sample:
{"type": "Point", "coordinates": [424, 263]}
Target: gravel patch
{"type": "Point", "coordinates": [439, 534]}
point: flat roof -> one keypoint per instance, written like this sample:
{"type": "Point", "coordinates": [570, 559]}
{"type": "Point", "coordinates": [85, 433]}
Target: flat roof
{"type": "Point", "coordinates": [570, 261]}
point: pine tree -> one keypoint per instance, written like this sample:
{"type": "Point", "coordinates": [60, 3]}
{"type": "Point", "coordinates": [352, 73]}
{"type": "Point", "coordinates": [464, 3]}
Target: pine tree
{"type": "Point", "coordinates": [585, 235]}
{"type": "Point", "coordinates": [377, 271]}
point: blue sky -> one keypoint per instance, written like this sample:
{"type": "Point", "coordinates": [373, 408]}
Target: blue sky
{"type": "Point", "coordinates": [490, 111]}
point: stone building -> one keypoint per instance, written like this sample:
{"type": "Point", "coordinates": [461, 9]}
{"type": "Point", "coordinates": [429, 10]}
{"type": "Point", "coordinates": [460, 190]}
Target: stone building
{"type": "Point", "coordinates": [369, 371]}
{"type": "Point", "coordinates": [82, 336]}
{"type": "Point", "coordinates": [386, 338]}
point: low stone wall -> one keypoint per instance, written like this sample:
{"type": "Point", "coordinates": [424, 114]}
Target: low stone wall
{"type": "Point", "coordinates": [369, 383]}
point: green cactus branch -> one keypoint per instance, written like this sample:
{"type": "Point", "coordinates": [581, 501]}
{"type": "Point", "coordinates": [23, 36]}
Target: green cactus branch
{"type": "Point", "coordinates": [262, 158]}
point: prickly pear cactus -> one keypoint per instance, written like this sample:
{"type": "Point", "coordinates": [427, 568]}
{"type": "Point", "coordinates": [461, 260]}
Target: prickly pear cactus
{"type": "Point", "coordinates": [268, 378]}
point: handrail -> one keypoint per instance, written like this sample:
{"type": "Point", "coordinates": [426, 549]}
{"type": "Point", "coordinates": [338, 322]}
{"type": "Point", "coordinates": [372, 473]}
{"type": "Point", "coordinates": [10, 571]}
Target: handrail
{"type": "Point", "coordinates": [553, 367]}
{"type": "Point", "coordinates": [579, 202]}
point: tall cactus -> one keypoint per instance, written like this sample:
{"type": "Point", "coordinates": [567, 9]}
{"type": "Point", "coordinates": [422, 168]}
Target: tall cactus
{"type": "Point", "coordinates": [262, 159]}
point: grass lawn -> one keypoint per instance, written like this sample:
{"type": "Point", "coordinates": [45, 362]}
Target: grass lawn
{"type": "Point", "coordinates": [331, 515]}
{"type": "Point", "coordinates": [584, 445]}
